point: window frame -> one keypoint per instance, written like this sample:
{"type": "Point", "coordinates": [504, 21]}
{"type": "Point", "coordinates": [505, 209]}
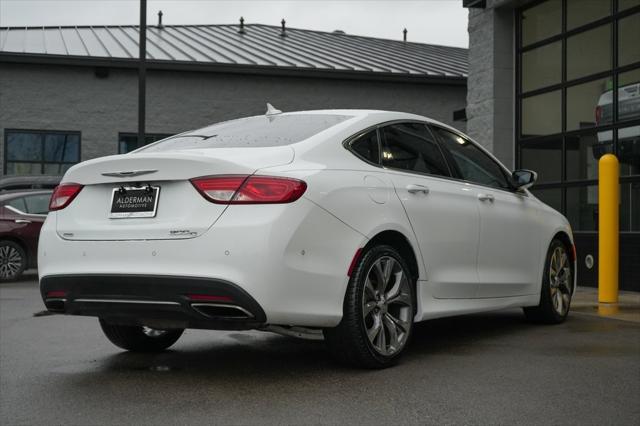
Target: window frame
{"type": "Point", "coordinates": [613, 73]}
{"type": "Point", "coordinates": [382, 143]}
{"type": "Point", "coordinates": [445, 153]}
{"type": "Point", "coordinates": [449, 157]}
{"type": "Point", "coordinates": [352, 139]}
{"type": "Point", "coordinates": [42, 134]}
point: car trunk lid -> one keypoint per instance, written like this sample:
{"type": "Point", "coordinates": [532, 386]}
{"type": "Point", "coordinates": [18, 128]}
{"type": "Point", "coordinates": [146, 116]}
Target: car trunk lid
{"type": "Point", "coordinates": [181, 212]}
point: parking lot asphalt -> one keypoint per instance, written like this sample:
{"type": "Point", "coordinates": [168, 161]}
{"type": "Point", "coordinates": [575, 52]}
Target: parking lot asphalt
{"type": "Point", "coordinates": [481, 369]}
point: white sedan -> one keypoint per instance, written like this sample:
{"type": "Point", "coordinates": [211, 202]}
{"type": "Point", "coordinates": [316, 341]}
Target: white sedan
{"type": "Point", "coordinates": [350, 225]}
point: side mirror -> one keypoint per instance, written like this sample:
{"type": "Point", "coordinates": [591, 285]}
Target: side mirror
{"type": "Point", "coordinates": [523, 179]}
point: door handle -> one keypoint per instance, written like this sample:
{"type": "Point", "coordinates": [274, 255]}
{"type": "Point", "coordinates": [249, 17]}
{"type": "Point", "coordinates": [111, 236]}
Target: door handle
{"type": "Point", "coordinates": [22, 221]}
{"type": "Point", "coordinates": [414, 189]}
{"type": "Point", "coordinates": [486, 197]}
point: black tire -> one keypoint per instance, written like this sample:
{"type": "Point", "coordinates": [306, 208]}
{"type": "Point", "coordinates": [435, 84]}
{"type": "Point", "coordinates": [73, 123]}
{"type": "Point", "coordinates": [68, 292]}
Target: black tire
{"type": "Point", "coordinates": [547, 311]}
{"type": "Point", "coordinates": [13, 261]}
{"type": "Point", "coordinates": [133, 338]}
{"type": "Point", "coordinates": [349, 342]}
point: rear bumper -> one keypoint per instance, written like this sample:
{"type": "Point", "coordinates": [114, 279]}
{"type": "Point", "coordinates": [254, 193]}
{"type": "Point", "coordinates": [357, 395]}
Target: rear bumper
{"type": "Point", "coordinates": [292, 259]}
{"type": "Point", "coordinates": [157, 301]}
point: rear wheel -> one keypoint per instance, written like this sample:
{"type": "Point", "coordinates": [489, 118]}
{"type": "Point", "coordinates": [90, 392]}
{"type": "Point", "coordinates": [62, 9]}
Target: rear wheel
{"type": "Point", "coordinates": [13, 260]}
{"type": "Point", "coordinates": [140, 338]}
{"type": "Point", "coordinates": [378, 311]}
{"type": "Point", "coordinates": [557, 287]}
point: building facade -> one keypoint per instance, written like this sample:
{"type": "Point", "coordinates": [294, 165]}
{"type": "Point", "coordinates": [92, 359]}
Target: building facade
{"type": "Point", "coordinates": [69, 94]}
{"type": "Point", "coordinates": [554, 84]}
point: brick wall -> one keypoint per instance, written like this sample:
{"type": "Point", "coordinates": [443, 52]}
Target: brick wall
{"type": "Point", "coordinates": [72, 98]}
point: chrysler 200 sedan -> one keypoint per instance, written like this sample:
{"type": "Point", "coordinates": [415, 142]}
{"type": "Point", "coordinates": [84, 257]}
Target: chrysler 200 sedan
{"type": "Point", "coordinates": [350, 225]}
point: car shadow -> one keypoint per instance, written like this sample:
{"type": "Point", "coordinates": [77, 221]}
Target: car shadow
{"type": "Point", "coordinates": [269, 356]}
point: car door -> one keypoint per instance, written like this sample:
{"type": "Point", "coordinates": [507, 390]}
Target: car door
{"type": "Point", "coordinates": [443, 214]}
{"type": "Point", "coordinates": [25, 216]}
{"type": "Point", "coordinates": [508, 248]}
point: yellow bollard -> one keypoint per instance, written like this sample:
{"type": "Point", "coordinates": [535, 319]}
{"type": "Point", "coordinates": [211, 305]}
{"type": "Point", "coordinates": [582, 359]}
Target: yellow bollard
{"type": "Point", "coordinates": [608, 227]}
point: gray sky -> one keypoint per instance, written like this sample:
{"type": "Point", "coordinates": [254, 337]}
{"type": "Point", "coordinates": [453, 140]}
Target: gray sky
{"type": "Point", "coordinates": [428, 21]}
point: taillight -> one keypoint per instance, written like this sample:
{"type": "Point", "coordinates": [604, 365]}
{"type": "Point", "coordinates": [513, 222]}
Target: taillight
{"type": "Point", "coordinates": [598, 115]}
{"type": "Point", "coordinates": [63, 195]}
{"type": "Point", "coordinates": [242, 189]}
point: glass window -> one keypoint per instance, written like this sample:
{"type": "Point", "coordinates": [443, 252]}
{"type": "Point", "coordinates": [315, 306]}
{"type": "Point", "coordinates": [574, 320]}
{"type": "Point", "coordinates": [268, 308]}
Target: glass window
{"type": "Point", "coordinates": [543, 157]}
{"type": "Point", "coordinates": [630, 207]}
{"type": "Point", "coordinates": [542, 66]}
{"type": "Point", "coordinates": [18, 203]}
{"type": "Point", "coordinates": [471, 163]}
{"type": "Point", "coordinates": [411, 147]}
{"type": "Point", "coordinates": [580, 12]}
{"type": "Point", "coordinates": [628, 36]}
{"type": "Point", "coordinates": [366, 147]}
{"type": "Point", "coordinates": [252, 132]}
{"type": "Point", "coordinates": [583, 153]}
{"type": "Point", "coordinates": [629, 150]}
{"type": "Point", "coordinates": [61, 148]}
{"type": "Point", "coordinates": [582, 207]}
{"type": "Point", "coordinates": [128, 142]}
{"type": "Point", "coordinates": [589, 104]}
{"type": "Point", "coordinates": [589, 52]}
{"type": "Point", "coordinates": [24, 146]}
{"type": "Point", "coordinates": [550, 196]}
{"type": "Point", "coordinates": [541, 114]}
{"type": "Point", "coordinates": [629, 95]}
{"type": "Point", "coordinates": [541, 21]}
{"type": "Point", "coordinates": [37, 204]}
{"type": "Point", "coordinates": [40, 152]}
{"type": "Point", "coordinates": [626, 4]}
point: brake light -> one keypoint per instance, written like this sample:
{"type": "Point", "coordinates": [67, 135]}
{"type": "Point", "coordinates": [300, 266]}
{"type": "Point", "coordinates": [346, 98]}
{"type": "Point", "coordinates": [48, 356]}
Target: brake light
{"type": "Point", "coordinates": [242, 189]}
{"type": "Point", "coordinates": [598, 115]}
{"type": "Point", "coordinates": [63, 195]}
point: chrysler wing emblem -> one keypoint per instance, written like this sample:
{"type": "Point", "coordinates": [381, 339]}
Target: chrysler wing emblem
{"type": "Point", "coordinates": [130, 173]}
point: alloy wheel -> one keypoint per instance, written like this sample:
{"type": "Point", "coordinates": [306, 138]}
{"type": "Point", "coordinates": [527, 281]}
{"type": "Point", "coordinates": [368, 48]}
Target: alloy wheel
{"type": "Point", "coordinates": [387, 306]}
{"type": "Point", "coordinates": [10, 262]}
{"type": "Point", "coordinates": [560, 280]}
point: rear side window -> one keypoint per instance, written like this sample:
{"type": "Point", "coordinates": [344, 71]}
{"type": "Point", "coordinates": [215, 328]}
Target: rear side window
{"type": "Point", "coordinates": [18, 203]}
{"type": "Point", "coordinates": [37, 204]}
{"type": "Point", "coordinates": [251, 132]}
{"type": "Point", "coordinates": [471, 162]}
{"type": "Point", "coordinates": [367, 147]}
{"type": "Point", "coordinates": [411, 147]}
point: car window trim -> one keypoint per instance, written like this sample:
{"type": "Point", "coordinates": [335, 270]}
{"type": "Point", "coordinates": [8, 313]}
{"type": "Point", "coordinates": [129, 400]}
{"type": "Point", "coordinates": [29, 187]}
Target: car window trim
{"type": "Point", "coordinates": [346, 144]}
{"type": "Point", "coordinates": [506, 173]}
{"type": "Point", "coordinates": [383, 141]}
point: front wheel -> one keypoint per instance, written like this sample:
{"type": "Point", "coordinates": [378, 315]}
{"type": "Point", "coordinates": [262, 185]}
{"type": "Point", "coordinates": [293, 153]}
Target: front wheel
{"type": "Point", "coordinates": [379, 307]}
{"type": "Point", "coordinates": [557, 287]}
{"type": "Point", "coordinates": [136, 338]}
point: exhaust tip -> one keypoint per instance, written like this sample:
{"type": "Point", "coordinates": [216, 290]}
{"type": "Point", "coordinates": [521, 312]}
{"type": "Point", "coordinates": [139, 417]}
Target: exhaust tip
{"type": "Point", "coordinates": [55, 305]}
{"type": "Point", "coordinates": [221, 311]}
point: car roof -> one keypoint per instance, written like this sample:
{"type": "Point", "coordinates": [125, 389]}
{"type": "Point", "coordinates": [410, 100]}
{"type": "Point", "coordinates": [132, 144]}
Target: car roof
{"type": "Point", "coordinates": [356, 114]}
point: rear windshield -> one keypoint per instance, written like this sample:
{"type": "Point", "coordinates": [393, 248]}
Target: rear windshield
{"type": "Point", "coordinates": [251, 132]}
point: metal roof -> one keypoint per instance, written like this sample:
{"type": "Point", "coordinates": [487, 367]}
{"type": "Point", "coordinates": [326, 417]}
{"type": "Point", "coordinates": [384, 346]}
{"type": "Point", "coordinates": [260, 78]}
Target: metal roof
{"type": "Point", "coordinates": [259, 47]}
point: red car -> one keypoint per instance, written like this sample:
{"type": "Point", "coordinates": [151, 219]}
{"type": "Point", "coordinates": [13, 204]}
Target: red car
{"type": "Point", "coordinates": [22, 214]}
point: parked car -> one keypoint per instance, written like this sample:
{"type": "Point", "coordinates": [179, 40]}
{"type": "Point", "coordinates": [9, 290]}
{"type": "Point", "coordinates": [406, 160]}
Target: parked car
{"type": "Point", "coordinates": [14, 183]}
{"type": "Point", "coordinates": [352, 224]}
{"type": "Point", "coordinates": [22, 214]}
{"type": "Point", "coordinates": [628, 137]}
